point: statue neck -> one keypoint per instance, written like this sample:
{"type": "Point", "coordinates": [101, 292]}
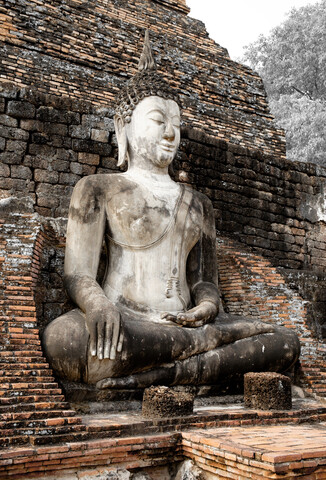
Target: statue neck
{"type": "Point", "coordinates": [156, 176]}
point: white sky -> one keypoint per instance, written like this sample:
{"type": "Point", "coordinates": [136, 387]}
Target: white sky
{"type": "Point", "coordinates": [236, 23]}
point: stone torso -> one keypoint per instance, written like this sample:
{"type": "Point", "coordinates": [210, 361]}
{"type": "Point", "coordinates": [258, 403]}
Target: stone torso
{"type": "Point", "coordinates": [150, 231]}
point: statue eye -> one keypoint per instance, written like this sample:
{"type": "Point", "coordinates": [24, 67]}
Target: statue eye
{"type": "Point", "coordinates": [157, 119]}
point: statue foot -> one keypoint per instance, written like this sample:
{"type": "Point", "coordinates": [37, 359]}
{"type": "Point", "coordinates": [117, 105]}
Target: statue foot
{"type": "Point", "coordinates": [159, 376]}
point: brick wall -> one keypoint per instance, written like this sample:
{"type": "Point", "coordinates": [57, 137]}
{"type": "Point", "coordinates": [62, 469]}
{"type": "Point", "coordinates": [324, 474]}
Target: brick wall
{"type": "Point", "coordinates": [271, 204]}
{"type": "Point", "coordinates": [275, 206]}
{"type": "Point", "coordinates": [251, 286]}
{"type": "Point", "coordinates": [48, 143]}
{"type": "Point", "coordinates": [62, 64]}
{"type": "Point", "coordinates": [83, 50]}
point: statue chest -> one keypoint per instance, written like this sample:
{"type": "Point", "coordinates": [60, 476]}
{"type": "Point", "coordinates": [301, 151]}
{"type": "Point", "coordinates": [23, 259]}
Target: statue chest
{"type": "Point", "coordinates": [141, 222]}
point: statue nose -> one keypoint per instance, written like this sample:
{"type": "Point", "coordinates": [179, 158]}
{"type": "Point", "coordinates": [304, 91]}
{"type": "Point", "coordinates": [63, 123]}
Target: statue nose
{"type": "Point", "coordinates": [169, 131]}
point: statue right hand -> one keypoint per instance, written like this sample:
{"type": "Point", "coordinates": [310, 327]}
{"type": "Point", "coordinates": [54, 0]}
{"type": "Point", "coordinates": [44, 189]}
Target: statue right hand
{"type": "Point", "coordinates": [103, 323]}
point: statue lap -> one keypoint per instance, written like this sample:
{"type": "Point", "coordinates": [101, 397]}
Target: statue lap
{"type": "Point", "coordinates": [231, 344]}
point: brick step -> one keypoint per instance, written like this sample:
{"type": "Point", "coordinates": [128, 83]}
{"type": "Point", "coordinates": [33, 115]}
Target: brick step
{"type": "Point", "coordinates": [18, 333]}
{"type": "Point", "coordinates": [27, 391]}
{"type": "Point", "coordinates": [78, 434]}
{"type": "Point", "coordinates": [12, 360]}
{"type": "Point", "coordinates": [26, 340]}
{"type": "Point", "coordinates": [8, 429]}
{"type": "Point", "coordinates": [11, 323]}
{"type": "Point", "coordinates": [36, 415]}
{"type": "Point", "coordinates": [44, 439]}
{"type": "Point", "coordinates": [37, 406]}
{"type": "Point", "coordinates": [14, 441]}
{"type": "Point", "coordinates": [45, 436]}
{"type": "Point", "coordinates": [16, 320]}
{"type": "Point", "coordinates": [21, 353]}
{"type": "Point", "coordinates": [42, 376]}
{"type": "Point", "coordinates": [30, 366]}
{"type": "Point", "coordinates": [316, 379]}
{"type": "Point", "coordinates": [12, 400]}
{"type": "Point", "coordinates": [20, 346]}
{"type": "Point", "coordinates": [32, 387]}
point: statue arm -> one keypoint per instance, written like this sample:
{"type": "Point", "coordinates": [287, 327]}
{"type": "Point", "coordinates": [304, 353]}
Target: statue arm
{"type": "Point", "coordinates": [202, 275]}
{"type": "Point", "coordinates": [85, 231]}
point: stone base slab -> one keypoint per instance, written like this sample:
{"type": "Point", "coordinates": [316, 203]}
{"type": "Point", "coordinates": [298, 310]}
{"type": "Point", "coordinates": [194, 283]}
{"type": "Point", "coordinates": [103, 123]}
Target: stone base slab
{"type": "Point", "coordinates": [297, 451]}
{"type": "Point", "coordinates": [224, 441]}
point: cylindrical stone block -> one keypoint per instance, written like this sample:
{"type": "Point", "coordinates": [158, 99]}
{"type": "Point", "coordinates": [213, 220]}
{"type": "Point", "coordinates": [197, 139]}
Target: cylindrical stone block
{"type": "Point", "coordinates": [163, 402]}
{"type": "Point", "coordinates": [267, 391]}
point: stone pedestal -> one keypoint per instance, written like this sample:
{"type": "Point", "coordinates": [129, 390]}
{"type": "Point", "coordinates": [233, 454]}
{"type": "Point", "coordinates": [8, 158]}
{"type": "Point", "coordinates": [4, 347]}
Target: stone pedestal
{"type": "Point", "coordinates": [160, 402]}
{"type": "Point", "coordinates": [267, 391]}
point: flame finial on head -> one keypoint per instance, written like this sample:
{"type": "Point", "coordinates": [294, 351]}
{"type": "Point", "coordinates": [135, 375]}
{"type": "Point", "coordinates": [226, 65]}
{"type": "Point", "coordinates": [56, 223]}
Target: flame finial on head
{"type": "Point", "coordinates": [145, 83]}
{"type": "Point", "coordinates": [146, 61]}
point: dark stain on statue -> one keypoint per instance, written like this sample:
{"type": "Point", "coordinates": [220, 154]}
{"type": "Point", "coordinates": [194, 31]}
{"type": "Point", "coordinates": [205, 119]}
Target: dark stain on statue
{"type": "Point", "coordinates": [89, 207]}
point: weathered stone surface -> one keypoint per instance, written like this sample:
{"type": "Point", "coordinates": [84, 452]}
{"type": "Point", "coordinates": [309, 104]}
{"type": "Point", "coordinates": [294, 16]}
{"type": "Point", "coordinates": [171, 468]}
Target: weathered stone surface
{"type": "Point", "coordinates": [217, 88]}
{"type": "Point", "coordinates": [142, 214]}
{"type": "Point", "coordinates": [89, 158]}
{"type": "Point", "coordinates": [21, 172]}
{"type": "Point", "coordinates": [163, 402]}
{"type": "Point", "coordinates": [21, 109]}
{"type": "Point", "coordinates": [46, 176]}
{"type": "Point", "coordinates": [267, 391]}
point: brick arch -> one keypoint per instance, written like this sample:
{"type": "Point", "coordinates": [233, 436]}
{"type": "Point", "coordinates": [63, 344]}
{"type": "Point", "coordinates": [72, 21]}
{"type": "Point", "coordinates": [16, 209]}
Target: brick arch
{"type": "Point", "coordinates": [32, 407]}
{"type": "Point", "coordinates": [252, 286]}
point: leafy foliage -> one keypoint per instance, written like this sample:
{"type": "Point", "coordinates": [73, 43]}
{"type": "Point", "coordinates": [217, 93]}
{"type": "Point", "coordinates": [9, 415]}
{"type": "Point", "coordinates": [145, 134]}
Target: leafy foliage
{"type": "Point", "coordinates": [292, 63]}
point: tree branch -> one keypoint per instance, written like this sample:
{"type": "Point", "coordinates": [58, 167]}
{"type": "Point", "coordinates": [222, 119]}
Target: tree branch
{"type": "Point", "coordinates": [306, 94]}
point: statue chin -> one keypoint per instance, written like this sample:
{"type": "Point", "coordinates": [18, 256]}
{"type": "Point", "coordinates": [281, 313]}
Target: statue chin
{"type": "Point", "coordinates": [161, 264]}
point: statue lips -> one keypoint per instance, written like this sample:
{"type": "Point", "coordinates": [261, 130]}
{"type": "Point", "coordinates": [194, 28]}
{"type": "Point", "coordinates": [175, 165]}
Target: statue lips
{"type": "Point", "coordinates": [169, 147]}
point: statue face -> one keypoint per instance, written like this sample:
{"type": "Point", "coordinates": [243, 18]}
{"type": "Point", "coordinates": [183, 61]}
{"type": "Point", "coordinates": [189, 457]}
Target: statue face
{"type": "Point", "coordinates": [154, 131]}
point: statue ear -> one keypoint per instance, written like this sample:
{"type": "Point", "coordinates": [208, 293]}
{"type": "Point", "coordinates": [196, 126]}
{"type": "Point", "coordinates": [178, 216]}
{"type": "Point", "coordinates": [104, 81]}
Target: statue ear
{"type": "Point", "coordinates": [120, 131]}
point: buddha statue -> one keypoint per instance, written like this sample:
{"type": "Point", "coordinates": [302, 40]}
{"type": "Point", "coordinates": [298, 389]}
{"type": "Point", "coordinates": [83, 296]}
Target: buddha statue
{"type": "Point", "coordinates": [157, 317]}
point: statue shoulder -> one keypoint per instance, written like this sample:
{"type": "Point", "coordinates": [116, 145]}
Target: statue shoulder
{"type": "Point", "coordinates": [98, 185]}
{"type": "Point", "coordinates": [200, 199]}
{"type": "Point", "coordinates": [90, 195]}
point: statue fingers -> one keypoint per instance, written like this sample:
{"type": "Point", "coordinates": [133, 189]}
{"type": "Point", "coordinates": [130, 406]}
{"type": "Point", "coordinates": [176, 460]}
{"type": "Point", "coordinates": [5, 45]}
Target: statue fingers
{"type": "Point", "coordinates": [115, 339]}
{"type": "Point", "coordinates": [100, 339]}
{"type": "Point", "coordinates": [108, 336]}
{"type": "Point", "coordinates": [92, 338]}
{"type": "Point", "coordinates": [168, 316]}
{"type": "Point", "coordinates": [186, 318]}
{"type": "Point", "coordinates": [120, 343]}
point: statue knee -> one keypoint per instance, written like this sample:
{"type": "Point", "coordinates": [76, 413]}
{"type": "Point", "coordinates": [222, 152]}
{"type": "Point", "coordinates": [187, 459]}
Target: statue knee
{"type": "Point", "coordinates": [65, 342]}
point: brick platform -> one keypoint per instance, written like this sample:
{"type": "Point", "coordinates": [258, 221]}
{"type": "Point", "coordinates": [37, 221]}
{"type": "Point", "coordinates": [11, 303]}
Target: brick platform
{"type": "Point", "coordinates": [260, 453]}
{"type": "Point", "coordinates": [228, 441]}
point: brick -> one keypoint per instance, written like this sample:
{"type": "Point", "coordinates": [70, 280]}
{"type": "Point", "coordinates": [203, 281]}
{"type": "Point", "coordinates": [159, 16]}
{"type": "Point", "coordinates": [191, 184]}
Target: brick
{"type": "Point", "coordinates": [80, 131]}
{"type": "Point", "coordinates": [2, 144]}
{"type": "Point", "coordinates": [13, 133]}
{"type": "Point", "coordinates": [68, 178]}
{"type": "Point", "coordinates": [99, 135]}
{"type": "Point", "coordinates": [89, 158]}
{"type": "Point", "coordinates": [76, 168]}
{"type": "Point", "coordinates": [2, 105]}
{"type": "Point", "coordinates": [21, 172]}
{"type": "Point", "coordinates": [8, 121]}
{"type": "Point", "coordinates": [21, 109]}
{"type": "Point", "coordinates": [4, 170]}
{"type": "Point", "coordinates": [90, 146]}
{"type": "Point", "coordinates": [46, 176]}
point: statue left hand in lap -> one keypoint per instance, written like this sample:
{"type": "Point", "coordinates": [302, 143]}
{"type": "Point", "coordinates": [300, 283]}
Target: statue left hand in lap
{"type": "Point", "coordinates": [155, 317]}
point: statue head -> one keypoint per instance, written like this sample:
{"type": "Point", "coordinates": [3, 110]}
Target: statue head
{"type": "Point", "coordinates": [147, 109]}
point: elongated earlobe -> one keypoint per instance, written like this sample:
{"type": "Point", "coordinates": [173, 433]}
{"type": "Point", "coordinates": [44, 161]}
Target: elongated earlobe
{"type": "Point", "coordinates": [120, 131]}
